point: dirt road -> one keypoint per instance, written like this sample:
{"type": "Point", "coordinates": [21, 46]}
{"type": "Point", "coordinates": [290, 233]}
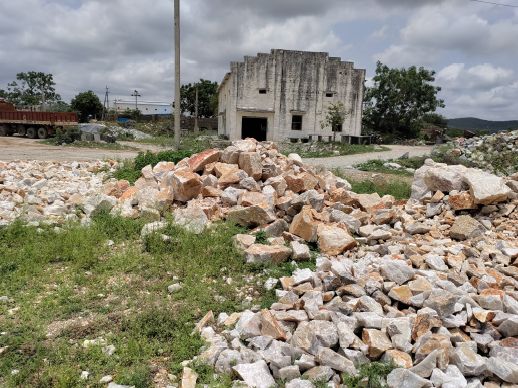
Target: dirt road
{"type": "Point", "coordinates": [17, 148]}
{"type": "Point", "coordinates": [348, 161]}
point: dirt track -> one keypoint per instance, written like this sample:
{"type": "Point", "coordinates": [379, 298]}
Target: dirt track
{"type": "Point", "coordinates": [17, 148]}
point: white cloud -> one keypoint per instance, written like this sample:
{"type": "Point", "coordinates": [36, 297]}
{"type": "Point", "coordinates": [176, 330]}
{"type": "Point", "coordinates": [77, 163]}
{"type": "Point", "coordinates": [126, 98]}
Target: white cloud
{"type": "Point", "coordinates": [467, 90]}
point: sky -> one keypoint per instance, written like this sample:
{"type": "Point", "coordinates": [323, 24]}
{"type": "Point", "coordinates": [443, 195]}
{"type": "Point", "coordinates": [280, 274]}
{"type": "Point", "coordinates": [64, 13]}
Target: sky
{"type": "Point", "coordinates": [128, 44]}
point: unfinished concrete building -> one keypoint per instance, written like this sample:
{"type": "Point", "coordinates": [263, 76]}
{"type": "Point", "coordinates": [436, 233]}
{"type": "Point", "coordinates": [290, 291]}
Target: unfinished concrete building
{"type": "Point", "coordinates": [285, 95]}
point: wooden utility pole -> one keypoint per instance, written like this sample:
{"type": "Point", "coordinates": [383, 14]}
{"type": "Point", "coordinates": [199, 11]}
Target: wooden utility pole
{"type": "Point", "coordinates": [196, 128]}
{"type": "Point", "coordinates": [177, 109]}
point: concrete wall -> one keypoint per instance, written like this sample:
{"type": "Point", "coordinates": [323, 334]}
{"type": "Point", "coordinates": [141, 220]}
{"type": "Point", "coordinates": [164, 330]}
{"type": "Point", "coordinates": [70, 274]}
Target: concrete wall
{"type": "Point", "coordinates": [145, 108]}
{"type": "Point", "coordinates": [296, 82]}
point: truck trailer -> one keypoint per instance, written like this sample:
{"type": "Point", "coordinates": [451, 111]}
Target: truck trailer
{"type": "Point", "coordinates": [32, 124]}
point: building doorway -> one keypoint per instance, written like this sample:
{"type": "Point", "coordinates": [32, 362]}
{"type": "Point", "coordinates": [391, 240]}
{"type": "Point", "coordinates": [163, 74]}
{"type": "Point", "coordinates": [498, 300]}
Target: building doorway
{"type": "Point", "coordinates": [255, 127]}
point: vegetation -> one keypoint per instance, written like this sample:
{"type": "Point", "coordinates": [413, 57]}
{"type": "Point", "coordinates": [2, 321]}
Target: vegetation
{"type": "Point", "coordinates": [89, 144]}
{"type": "Point", "coordinates": [130, 170]}
{"type": "Point", "coordinates": [335, 117]}
{"type": "Point", "coordinates": [399, 100]}
{"type": "Point", "coordinates": [207, 98]}
{"type": "Point", "coordinates": [31, 88]}
{"type": "Point", "coordinates": [87, 105]}
{"type": "Point", "coordinates": [324, 150]}
{"type": "Point", "coordinates": [67, 285]}
{"type": "Point", "coordinates": [371, 375]}
{"type": "Point", "coordinates": [398, 186]}
{"type": "Point", "coordinates": [377, 165]}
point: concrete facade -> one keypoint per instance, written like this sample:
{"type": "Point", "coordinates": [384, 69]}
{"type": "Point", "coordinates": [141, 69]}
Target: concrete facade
{"type": "Point", "coordinates": [145, 107]}
{"type": "Point", "coordinates": [283, 84]}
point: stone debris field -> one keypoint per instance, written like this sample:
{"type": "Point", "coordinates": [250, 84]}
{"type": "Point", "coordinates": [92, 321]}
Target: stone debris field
{"type": "Point", "coordinates": [429, 284]}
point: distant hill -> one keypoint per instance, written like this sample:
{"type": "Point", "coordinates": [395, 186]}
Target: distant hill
{"type": "Point", "coordinates": [478, 124]}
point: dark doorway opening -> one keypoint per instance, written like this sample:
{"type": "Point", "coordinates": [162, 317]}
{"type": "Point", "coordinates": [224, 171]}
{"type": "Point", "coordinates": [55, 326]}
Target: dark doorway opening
{"type": "Point", "coordinates": [255, 127]}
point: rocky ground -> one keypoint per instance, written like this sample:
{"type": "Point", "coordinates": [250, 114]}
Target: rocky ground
{"type": "Point", "coordinates": [429, 285]}
{"type": "Point", "coordinates": [496, 152]}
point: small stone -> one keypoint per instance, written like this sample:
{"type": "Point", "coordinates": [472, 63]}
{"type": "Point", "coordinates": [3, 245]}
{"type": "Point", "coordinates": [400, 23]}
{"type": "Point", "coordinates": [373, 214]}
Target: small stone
{"type": "Point", "coordinates": [259, 253]}
{"type": "Point", "coordinates": [397, 271]}
{"type": "Point", "coordinates": [106, 379]}
{"type": "Point", "coordinates": [403, 378]}
{"type": "Point", "coordinates": [333, 240]}
{"type": "Point", "coordinates": [189, 378]}
{"type": "Point", "coordinates": [377, 341]}
{"type": "Point", "coordinates": [300, 251]}
{"type": "Point", "coordinates": [174, 288]}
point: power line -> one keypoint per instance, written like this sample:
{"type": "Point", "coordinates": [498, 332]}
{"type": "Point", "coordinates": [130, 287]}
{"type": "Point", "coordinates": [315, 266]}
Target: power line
{"type": "Point", "coordinates": [493, 3]}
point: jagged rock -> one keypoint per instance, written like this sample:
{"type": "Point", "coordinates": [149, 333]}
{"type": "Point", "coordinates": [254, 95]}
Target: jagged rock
{"type": "Point", "coordinates": [377, 341]}
{"type": "Point", "coordinates": [403, 378]}
{"type": "Point", "coordinates": [333, 240]}
{"type": "Point", "coordinates": [397, 271]}
{"type": "Point", "coordinates": [250, 216]}
{"type": "Point", "coordinates": [259, 253]}
{"type": "Point", "coordinates": [186, 185]}
{"type": "Point", "coordinates": [198, 161]}
{"type": "Point", "coordinates": [466, 227]}
{"type": "Point", "coordinates": [250, 162]}
{"type": "Point", "coordinates": [309, 336]}
{"type": "Point", "coordinates": [193, 219]}
{"type": "Point", "coordinates": [300, 251]}
{"type": "Point", "coordinates": [486, 188]}
{"type": "Point", "coordinates": [256, 374]}
{"type": "Point", "coordinates": [328, 357]}
{"type": "Point", "coordinates": [304, 226]}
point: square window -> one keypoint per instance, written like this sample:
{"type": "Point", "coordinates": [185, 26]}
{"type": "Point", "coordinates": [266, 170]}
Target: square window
{"type": "Point", "coordinates": [329, 94]}
{"type": "Point", "coordinates": [296, 122]}
{"type": "Point", "coordinates": [337, 128]}
{"type": "Point", "coordinates": [262, 91]}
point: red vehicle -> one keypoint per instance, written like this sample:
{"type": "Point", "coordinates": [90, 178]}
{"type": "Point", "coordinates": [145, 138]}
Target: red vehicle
{"type": "Point", "coordinates": [32, 124]}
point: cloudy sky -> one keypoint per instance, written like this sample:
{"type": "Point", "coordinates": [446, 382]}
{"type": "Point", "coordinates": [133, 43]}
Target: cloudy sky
{"type": "Point", "coordinates": [128, 44]}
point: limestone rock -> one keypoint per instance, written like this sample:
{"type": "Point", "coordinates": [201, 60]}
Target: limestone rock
{"type": "Point", "coordinates": [466, 227]}
{"type": "Point", "coordinates": [260, 254]}
{"type": "Point", "coordinates": [256, 374]}
{"type": "Point", "coordinates": [333, 240]}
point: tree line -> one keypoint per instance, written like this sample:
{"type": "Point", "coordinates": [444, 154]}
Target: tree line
{"type": "Point", "coordinates": [399, 102]}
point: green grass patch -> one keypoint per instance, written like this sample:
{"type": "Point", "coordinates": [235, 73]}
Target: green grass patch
{"type": "Point", "coordinates": [399, 189]}
{"type": "Point", "coordinates": [376, 165]}
{"type": "Point", "coordinates": [68, 285]}
{"type": "Point", "coordinates": [371, 375]}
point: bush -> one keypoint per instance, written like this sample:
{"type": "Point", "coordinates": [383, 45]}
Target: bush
{"type": "Point", "coordinates": [143, 159]}
{"type": "Point", "coordinates": [67, 135]}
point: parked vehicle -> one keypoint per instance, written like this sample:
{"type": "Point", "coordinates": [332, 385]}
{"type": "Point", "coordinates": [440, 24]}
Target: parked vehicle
{"type": "Point", "coordinates": [32, 124]}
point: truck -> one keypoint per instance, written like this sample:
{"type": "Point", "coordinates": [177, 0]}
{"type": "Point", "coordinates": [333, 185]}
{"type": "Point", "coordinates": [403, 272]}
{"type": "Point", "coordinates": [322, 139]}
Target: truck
{"type": "Point", "coordinates": [31, 123]}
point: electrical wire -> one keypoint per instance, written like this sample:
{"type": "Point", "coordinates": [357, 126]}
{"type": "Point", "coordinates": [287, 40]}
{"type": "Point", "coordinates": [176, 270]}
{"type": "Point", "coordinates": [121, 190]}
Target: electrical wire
{"type": "Point", "coordinates": [493, 3]}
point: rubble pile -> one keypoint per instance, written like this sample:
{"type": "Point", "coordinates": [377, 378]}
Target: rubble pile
{"type": "Point", "coordinates": [37, 191]}
{"type": "Point", "coordinates": [429, 284]}
{"type": "Point", "coordinates": [495, 152]}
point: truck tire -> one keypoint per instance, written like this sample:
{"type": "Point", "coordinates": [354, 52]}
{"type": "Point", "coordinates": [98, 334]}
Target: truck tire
{"type": "Point", "coordinates": [21, 130]}
{"type": "Point", "coordinates": [4, 131]}
{"type": "Point", "coordinates": [42, 133]}
{"type": "Point", "coordinates": [31, 133]}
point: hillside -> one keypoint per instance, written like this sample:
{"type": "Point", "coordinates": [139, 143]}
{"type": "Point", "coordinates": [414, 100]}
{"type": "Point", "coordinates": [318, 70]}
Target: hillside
{"type": "Point", "coordinates": [478, 124]}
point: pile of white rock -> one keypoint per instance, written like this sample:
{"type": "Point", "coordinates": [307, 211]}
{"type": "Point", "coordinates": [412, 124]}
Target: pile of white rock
{"type": "Point", "coordinates": [44, 191]}
{"type": "Point", "coordinates": [495, 152]}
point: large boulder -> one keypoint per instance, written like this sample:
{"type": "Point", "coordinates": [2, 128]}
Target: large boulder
{"type": "Point", "coordinates": [186, 185]}
{"type": "Point", "coordinates": [486, 188]}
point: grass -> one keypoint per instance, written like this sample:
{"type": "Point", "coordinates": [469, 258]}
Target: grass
{"type": "Point", "coordinates": [371, 375]}
{"type": "Point", "coordinates": [376, 165]}
{"type": "Point", "coordinates": [69, 285]}
{"type": "Point", "coordinates": [323, 150]}
{"type": "Point", "coordinates": [398, 186]}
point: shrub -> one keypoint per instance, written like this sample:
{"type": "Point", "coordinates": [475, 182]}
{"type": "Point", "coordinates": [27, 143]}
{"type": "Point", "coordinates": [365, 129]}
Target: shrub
{"type": "Point", "coordinates": [67, 135]}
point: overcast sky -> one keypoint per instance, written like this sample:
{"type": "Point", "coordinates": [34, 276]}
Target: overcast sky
{"type": "Point", "coordinates": [128, 44]}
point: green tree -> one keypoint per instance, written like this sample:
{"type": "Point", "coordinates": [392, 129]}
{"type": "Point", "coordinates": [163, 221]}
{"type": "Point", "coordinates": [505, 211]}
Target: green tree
{"type": "Point", "coordinates": [88, 105]}
{"type": "Point", "coordinates": [399, 99]}
{"type": "Point", "coordinates": [32, 88]}
{"type": "Point", "coordinates": [207, 98]}
{"type": "Point", "coordinates": [335, 117]}
{"type": "Point", "coordinates": [435, 119]}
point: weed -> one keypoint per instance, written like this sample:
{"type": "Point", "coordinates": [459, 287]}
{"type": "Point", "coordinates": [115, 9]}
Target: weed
{"type": "Point", "coordinates": [323, 150]}
{"type": "Point", "coordinates": [371, 375]}
{"type": "Point", "coordinates": [261, 237]}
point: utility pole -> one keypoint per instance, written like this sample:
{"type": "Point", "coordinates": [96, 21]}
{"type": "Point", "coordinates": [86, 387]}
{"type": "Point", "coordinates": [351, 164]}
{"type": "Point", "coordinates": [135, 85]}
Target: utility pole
{"type": "Point", "coordinates": [136, 94]}
{"type": "Point", "coordinates": [177, 97]}
{"type": "Point", "coordinates": [196, 128]}
{"type": "Point", "coordinates": [106, 103]}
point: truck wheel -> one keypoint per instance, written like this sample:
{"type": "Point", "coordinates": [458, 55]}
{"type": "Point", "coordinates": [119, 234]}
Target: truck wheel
{"type": "Point", "coordinates": [22, 131]}
{"type": "Point", "coordinates": [42, 133]}
{"type": "Point", "coordinates": [4, 131]}
{"type": "Point", "coordinates": [31, 133]}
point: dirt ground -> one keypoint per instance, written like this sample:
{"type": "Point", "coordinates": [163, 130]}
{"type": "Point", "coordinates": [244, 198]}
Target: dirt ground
{"type": "Point", "coordinates": [17, 148]}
